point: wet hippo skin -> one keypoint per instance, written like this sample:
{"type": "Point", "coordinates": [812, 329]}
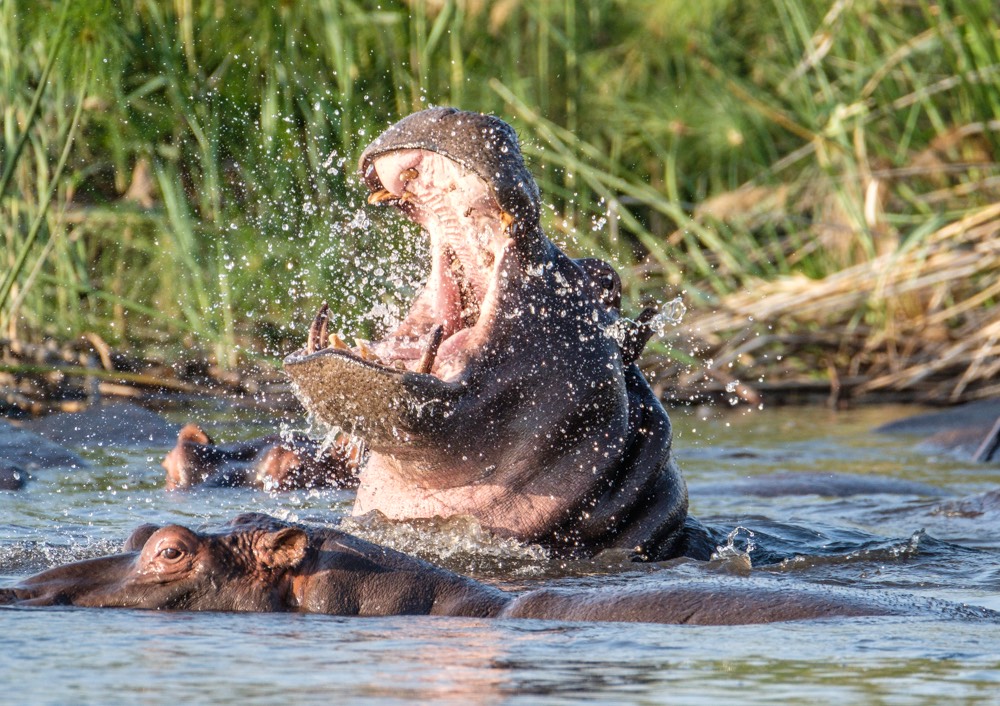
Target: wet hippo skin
{"type": "Point", "coordinates": [274, 462]}
{"type": "Point", "coordinates": [509, 392]}
{"type": "Point", "coordinates": [261, 564]}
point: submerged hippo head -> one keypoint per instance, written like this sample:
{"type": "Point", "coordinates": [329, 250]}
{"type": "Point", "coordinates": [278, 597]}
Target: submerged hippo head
{"type": "Point", "coordinates": [175, 568]}
{"type": "Point", "coordinates": [509, 391]}
{"type": "Point", "coordinates": [257, 564]}
{"type": "Point", "coordinates": [276, 462]}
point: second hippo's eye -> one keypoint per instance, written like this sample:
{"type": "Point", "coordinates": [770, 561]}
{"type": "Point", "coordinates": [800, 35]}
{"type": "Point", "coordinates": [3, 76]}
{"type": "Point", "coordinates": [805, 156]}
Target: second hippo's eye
{"type": "Point", "coordinates": [171, 553]}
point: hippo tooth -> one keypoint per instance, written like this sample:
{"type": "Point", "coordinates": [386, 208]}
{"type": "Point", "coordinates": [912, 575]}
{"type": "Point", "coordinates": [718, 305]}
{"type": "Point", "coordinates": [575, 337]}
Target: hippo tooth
{"type": "Point", "coordinates": [381, 196]}
{"type": "Point", "coordinates": [507, 219]}
{"type": "Point", "coordinates": [318, 331]}
{"type": "Point", "coordinates": [430, 353]}
{"type": "Point", "coordinates": [337, 343]}
{"type": "Point", "coordinates": [364, 352]}
{"type": "Point", "coordinates": [408, 175]}
{"type": "Point", "coordinates": [324, 330]}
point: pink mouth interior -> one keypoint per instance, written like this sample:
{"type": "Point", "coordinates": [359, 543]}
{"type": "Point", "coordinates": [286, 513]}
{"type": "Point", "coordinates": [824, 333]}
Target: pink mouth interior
{"type": "Point", "coordinates": [467, 233]}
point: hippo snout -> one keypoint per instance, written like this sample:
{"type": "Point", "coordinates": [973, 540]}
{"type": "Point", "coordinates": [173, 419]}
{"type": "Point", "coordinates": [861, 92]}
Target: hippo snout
{"type": "Point", "coordinates": [84, 583]}
{"type": "Point", "coordinates": [8, 596]}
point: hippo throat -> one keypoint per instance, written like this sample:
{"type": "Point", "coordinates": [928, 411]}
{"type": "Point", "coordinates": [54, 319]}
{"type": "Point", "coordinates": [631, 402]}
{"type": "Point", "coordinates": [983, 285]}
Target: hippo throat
{"type": "Point", "coordinates": [451, 319]}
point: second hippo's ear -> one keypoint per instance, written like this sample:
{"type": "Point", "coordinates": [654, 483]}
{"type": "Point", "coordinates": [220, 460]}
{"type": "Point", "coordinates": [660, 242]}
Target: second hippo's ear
{"type": "Point", "coordinates": [284, 549]}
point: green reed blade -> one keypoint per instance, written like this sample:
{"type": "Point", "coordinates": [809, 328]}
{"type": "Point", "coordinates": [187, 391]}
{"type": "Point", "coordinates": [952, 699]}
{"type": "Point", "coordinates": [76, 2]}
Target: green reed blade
{"type": "Point", "coordinates": [32, 115]}
{"type": "Point", "coordinates": [32, 235]}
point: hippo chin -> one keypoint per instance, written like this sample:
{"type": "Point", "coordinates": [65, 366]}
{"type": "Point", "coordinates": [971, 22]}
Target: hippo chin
{"type": "Point", "coordinates": [261, 564]}
{"type": "Point", "coordinates": [509, 392]}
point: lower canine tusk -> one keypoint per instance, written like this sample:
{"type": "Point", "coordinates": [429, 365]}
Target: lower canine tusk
{"type": "Point", "coordinates": [318, 331]}
{"type": "Point", "coordinates": [430, 353]}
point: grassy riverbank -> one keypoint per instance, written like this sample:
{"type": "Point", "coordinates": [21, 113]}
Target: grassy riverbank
{"type": "Point", "coordinates": [818, 179]}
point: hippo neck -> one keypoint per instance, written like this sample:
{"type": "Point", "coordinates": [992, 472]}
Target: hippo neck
{"type": "Point", "coordinates": [557, 449]}
{"type": "Point", "coordinates": [346, 575]}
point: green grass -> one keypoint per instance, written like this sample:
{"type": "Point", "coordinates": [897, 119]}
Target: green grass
{"type": "Point", "coordinates": [250, 117]}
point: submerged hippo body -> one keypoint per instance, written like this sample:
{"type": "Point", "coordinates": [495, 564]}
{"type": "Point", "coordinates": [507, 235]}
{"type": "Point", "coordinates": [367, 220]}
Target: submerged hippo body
{"type": "Point", "coordinates": [275, 462]}
{"type": "Point", "coordinates": [509, 392]}
{"type": "Point", "coordinates": [969, 431]}
{"type": "Point", "coordinates": [261, 564]}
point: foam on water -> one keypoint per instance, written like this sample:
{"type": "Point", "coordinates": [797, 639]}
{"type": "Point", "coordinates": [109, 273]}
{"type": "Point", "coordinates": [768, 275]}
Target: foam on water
{"type": "Point", "coordinates": [458, 543]}
{"type": "Point", "coordinates": [31, 556]}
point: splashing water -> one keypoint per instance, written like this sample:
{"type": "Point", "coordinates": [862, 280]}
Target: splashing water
{"type": "Point", "coordinates": [459, 543]}
{"type": "Point", "coordinates": [670, 313]}
{"type": "Point", "coordinates": [731, 554]}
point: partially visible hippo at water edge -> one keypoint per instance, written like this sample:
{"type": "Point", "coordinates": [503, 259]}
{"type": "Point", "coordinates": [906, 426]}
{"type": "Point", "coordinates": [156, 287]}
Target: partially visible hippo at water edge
{"type": "Point", "coordinates": [276, 462]}
{"type": "Point", "coordinates": [970, 431]}
{"type": "Point", "coordinates": [509, 392]}
{"type": "Point", "coordinates": [261, 564]}
{"type": "Point", "coordinates": [12, 476]}
{"type": "Point", "coordinates": [970, 506]}
{"type": "Point", "coordinates": [106, 425]}
{"type": "Point", "coordinates": [30, 451]}
{"type": "Point", "coordinates": [830, 485]}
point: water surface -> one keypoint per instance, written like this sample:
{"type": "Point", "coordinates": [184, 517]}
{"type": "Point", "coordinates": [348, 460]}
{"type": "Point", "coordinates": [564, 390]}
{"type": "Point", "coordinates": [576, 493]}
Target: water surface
{"type": "Point", "coordinates": [895, 543]}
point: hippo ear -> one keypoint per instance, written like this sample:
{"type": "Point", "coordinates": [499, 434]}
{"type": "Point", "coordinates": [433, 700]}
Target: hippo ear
{"type": "Point", "coordinates": [284, 549]}
{"type": "Point", "coordinates": [137, 540]}
{"type": "Point", "coordinates": [194, 434]}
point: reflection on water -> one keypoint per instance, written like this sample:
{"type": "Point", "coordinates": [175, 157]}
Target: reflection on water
{"type": "Point", "coordinates": [264, 659]}
{"type": "Point", "coordinates": [885, 542]}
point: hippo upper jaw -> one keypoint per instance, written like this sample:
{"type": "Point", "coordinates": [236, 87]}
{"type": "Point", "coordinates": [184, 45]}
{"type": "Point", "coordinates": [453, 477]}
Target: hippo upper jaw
{"type": "Point", "coordinates": [477, 253]}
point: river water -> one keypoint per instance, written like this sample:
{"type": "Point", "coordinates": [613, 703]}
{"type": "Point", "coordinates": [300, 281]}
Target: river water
{"type": "Point", "coordinates": [896, 543]}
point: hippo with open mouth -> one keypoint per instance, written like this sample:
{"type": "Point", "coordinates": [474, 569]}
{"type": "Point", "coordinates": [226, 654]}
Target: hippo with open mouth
{"type": "Point", "coordinates": [509, 392]}
{"type": "Point", "coordinates": [261, 564]}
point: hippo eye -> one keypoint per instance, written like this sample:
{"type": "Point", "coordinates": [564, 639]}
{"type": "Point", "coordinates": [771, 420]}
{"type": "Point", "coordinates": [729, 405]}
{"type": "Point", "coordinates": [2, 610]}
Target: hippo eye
{"type": "Point", "coordinates": [171, 553]}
